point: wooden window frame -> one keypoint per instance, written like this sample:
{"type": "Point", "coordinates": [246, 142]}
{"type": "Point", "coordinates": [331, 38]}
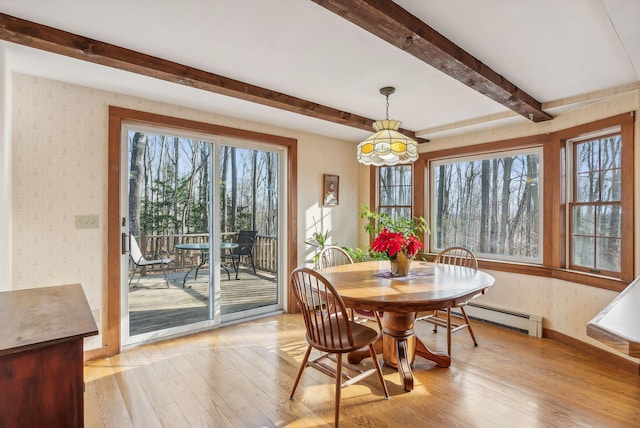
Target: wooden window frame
{"type": "Point", "coordinates": [479, 158]}
{"type": "Point", "coordinates": [378, 205]}
{"type": "Point", "coordinates": [596, 204]}
{"type": "Point", "coordinates": [555, 204]}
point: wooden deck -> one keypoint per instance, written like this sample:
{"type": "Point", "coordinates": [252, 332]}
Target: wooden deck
{"type": "Point", "coordinates": [153, 306]}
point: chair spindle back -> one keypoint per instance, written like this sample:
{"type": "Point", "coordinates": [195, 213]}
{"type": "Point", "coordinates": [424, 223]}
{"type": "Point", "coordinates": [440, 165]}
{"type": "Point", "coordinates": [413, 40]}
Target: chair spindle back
{"type": "Point", "coordinates": [333, 256]}
{"type": "Point", "coordinates": [457, 256]}
{"type": "Point", "coordinates": [324, 312]}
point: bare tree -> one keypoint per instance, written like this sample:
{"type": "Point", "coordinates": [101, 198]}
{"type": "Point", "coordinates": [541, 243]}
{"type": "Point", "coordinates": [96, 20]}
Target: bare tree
{"type": "Point", "coordinates": [484, 204]}
{"type": "Point", "coordinates": [489, 205]}
{"type": "Point", "coordinates": [176, 175]}
{"type": "Point", "coordinates": [270, 192]}
{"type": "Point", "coordinates": [223, 189]}
{"type": "Point", "coordinates": [504, 208]}
{"type": "Point", "coordinates": [254, 189]}
{"type": "Point", "coordinates": [493, 211]}
{"type": "Point", "coordinates": [234, 189]}
{"type": "Point", "coordinates": [138, 144]}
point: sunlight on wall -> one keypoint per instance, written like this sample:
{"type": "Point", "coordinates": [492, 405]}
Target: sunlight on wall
{"type": "Point", "coordinates": [336, 158]}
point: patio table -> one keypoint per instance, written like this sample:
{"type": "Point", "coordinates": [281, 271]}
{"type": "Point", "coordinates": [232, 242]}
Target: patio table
{"type": "Point", "coordinates": [203, 247]}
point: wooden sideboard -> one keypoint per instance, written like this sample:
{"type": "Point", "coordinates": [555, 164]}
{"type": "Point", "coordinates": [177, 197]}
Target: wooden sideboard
{"type": "Point", "coordinates": [41, 356]}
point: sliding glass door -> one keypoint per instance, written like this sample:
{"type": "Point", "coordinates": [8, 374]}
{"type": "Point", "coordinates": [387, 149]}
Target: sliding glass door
{"type": "Point", "coordinates": [202, 222]}
{"type": "Point", "coordinates": [249, 218]}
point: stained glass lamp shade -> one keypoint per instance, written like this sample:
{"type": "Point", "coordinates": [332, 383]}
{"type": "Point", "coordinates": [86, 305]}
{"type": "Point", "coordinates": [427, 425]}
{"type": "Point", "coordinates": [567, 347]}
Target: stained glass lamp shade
{"type": "Point", "coordinates": [387, 146]}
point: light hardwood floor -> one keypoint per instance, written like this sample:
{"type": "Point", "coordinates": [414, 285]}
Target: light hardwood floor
{"type": "Point", "coordinates": [241, 376]}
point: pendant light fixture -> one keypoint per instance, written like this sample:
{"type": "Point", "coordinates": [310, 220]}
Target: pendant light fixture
{"type": "Point", "coordinates": [387, 146]}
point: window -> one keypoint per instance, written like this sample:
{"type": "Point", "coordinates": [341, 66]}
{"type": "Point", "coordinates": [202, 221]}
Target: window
{"type": "Point", "coordinates": [595, 220]}
{"type": "Point", "coordinates": [558, 205]}
{"type": "Point", "coordinates": [489, 204]}
{"type": "Point", "coordinates": [395, 191]}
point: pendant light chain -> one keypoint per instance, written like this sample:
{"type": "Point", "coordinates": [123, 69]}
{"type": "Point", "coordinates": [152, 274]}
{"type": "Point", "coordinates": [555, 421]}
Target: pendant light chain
{"type": "Point", "coordinates": [387, 107]}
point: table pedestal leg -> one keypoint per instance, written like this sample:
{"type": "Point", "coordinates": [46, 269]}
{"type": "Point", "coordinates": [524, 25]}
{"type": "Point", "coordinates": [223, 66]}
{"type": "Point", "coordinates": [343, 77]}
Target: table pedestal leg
{"type": "Point", "coordinates": [399, 346]}
{"type": "Point", "coordinates": [399, 343]}
{"type": "Point", "coordinates": [184, 280]}
{"type": "Point", "coordinates": [203, 260]}
{"type": "Point", "coordinates": [442, 359]}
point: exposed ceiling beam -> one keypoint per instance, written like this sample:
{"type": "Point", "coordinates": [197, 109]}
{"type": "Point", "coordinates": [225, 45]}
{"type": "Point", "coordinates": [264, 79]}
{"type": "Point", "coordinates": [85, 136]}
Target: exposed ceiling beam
{"type": "Point", "coordinates": [392, 23]}
{"type": "Point", "coordinates": [50, 39]}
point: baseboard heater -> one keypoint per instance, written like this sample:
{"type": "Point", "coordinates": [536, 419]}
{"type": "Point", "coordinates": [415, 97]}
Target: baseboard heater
{"type": "Point", "coordinates": [527, 323]}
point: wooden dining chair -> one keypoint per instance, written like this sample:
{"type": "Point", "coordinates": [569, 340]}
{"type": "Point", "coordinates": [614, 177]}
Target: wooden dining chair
{"type": "Point", "coordinates": [336, 256]}
{"type": "Point", "coordinates": [330, 331]}
{"type": "Point", "coordinates": [457, 256]}
{"type": "Point", "coordinates": [333, 256]}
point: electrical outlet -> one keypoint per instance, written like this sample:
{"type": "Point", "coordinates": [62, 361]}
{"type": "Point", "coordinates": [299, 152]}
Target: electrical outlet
{"type": "Point", "coordinates": [87, 221]}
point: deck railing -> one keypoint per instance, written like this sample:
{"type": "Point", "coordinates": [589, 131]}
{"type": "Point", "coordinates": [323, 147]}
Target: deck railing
{"type": "Point", "coordinates": [264, 251]}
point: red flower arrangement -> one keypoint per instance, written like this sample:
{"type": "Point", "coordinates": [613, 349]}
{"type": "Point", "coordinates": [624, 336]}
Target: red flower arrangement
{"type": "Point", "coordinates": [392, 243]}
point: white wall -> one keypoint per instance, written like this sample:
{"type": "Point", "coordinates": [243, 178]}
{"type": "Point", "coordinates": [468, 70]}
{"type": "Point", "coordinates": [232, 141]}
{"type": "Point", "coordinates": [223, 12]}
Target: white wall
{"type": "Point", "coordinates": [566, 307]}
{"type": "Point", "coordinates": [59, 163]}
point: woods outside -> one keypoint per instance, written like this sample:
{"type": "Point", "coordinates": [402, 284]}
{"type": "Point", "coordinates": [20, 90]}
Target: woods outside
{"type": "Point", "coordinates": [170, 189]}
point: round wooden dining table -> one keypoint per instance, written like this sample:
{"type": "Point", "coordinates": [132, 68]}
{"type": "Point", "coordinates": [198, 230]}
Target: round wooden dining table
{"type": "Point", "coordinates": [429, 286]}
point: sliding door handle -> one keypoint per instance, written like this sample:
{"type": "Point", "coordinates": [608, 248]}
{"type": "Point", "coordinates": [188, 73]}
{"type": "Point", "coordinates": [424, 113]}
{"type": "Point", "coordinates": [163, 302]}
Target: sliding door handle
{"type": "Point", "coordinates": [125, 245]}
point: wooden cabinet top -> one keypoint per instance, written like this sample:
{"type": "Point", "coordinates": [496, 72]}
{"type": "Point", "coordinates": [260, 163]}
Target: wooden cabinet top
{"type": "Point", "coordinates": [39, 317]}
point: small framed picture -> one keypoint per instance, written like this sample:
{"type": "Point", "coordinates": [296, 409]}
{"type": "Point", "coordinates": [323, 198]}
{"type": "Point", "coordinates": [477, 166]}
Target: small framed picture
{"type": "Point", "coordinates": [331, 190]}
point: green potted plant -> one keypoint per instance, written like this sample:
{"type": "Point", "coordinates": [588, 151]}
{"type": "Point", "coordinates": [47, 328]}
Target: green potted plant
{"type": "Point", "coordinates": [318, 241]}
{"type": "Point", "coordinates": [397, 238]}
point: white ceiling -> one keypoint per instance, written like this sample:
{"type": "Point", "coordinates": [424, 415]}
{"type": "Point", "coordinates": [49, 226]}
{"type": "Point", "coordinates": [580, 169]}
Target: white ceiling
{"type": "Point", "coordinates": [550, 49]}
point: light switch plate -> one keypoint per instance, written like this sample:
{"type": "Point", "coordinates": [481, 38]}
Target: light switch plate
{"type": "Point", "coordinates": [87, 221]}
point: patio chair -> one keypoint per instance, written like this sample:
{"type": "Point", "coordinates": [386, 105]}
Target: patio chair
{"type": "Point", "coordinates": [246, 240]}
{"type": "Point", "coordinates": [330, 331]}
{"type": "Point", "coordinates": [140, 262]}
{"type": "Point", "coordinates": [457, 256]}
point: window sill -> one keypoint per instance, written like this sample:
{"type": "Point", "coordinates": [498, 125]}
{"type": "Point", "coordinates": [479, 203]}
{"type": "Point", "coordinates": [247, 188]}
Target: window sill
{"type": "Point", "coordinates": [592, 280]}
{"type": "Point", "coordinates": [584, 278]}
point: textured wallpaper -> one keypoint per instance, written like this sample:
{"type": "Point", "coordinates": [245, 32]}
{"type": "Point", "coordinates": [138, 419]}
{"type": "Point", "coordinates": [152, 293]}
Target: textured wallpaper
{"type": "Point", "coordinates": [59, 171]}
